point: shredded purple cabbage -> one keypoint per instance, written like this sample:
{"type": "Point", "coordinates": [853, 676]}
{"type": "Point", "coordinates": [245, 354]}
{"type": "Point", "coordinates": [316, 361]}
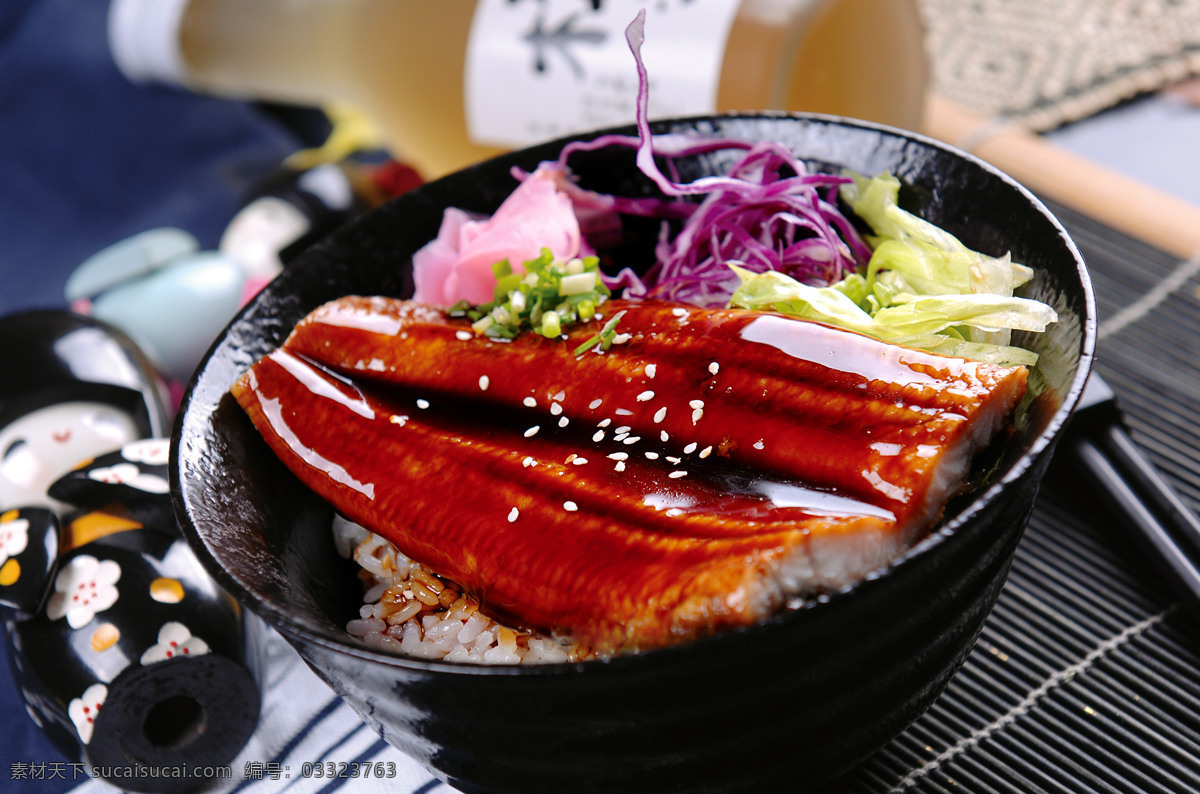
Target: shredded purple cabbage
{"type": "Point", "coordinates": [766, 213]}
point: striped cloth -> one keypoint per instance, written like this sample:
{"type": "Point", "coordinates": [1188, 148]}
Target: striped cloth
{"type": "Point", "coordinates": [305, 733]}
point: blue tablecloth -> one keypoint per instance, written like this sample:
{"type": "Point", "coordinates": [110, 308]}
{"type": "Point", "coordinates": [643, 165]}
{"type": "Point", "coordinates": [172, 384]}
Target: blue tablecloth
{"type": "Point", "coordinates": [90, 158]}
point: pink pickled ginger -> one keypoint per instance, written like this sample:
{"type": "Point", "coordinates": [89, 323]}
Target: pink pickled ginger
{"type": "Point", "coordinates": [457, 264]}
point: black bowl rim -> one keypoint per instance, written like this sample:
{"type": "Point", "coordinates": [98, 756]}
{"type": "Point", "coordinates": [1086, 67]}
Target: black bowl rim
{"type": "Point", "coordinates": [299, 633]}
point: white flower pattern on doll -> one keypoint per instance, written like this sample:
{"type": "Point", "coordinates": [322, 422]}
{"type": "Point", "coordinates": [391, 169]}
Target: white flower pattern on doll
{"type": "Point", "coordinates": [174, 639]}
{"type": "Point", "coordinates": [153, 451]}
{"type": "Point", "coordinates": [82, 588]}
{"type": "Point", "coordinates": [14, 537]}
{"type": "Point", "coordinates": [84, 709]}
{"type": "Point", "coordinates": [129, 474]}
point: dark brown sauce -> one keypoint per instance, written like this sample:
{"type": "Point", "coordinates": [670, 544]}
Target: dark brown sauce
{"type": "Point", "coordinates": [796, 398]}
{"type": "Point", "coordinates": [642, 471]}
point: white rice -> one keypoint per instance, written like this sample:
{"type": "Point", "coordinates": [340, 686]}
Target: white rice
{"type": "Point", "coordinates": [408, 609]}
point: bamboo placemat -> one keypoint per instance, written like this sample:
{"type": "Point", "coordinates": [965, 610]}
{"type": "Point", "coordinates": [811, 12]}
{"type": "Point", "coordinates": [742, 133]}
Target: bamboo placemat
{"type": "Point", "coordinates": [1086, 677]}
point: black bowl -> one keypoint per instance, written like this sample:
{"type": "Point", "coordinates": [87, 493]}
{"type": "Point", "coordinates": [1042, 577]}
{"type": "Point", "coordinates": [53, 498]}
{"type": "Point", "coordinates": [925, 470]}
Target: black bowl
{"type": "Point", "coordinates": [793, 701]}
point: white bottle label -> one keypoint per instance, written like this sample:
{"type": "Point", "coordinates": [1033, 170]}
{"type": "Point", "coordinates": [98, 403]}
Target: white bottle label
{"type": "Point", "coordinates": [539, 69]}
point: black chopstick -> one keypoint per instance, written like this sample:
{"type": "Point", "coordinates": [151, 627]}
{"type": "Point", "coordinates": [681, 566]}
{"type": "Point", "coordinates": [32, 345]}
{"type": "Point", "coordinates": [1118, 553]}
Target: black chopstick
{"type": "Point", "coordinates": [1100, 450]}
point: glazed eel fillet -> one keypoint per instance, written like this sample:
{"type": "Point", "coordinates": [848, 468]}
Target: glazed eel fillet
{"type": "Point", "coordinates": [692, 477]}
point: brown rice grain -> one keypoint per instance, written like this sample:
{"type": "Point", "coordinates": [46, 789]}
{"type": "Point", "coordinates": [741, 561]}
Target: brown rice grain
{"type": "Point", "coordinates": [429, 580]}
{"type": "Point", "coordinates": [423, 594]}
{"type": "Point", "coordinates": [404, 613]}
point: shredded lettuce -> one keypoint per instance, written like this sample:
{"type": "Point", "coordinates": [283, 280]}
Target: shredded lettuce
{"type": "Point", "coordinates": [923, 287]}
{"type": "Point", "coordinates": [914, 259]}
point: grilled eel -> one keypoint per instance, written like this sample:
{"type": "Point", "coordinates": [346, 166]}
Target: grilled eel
{"type": "Point", "coordinates": [689, 479]}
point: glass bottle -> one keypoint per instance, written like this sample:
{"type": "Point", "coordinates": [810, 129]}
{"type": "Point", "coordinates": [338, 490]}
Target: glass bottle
{"type": "Point", "coordinates": [404, 62]}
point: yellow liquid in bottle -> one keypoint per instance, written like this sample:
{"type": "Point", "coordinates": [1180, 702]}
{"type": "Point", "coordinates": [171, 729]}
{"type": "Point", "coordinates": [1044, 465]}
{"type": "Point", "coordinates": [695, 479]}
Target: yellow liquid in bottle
{"type": "Point", "coordinates": [858, 58]}
{"type": "Point", "coordinates": [402, 62]}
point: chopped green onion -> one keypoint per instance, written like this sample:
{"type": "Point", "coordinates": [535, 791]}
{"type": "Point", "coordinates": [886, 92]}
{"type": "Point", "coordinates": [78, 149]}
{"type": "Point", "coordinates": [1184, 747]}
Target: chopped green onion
{"type": "Point", "coordinates": [501, 315]}
{"type": "Point", "coordinates": [543, 295]}
{"type": "Point", "coordinates": [577, 284]}
{"type": "Point", "coordinates": [551, 324]}
{"type": "Point", "coordinates": [604, 337]}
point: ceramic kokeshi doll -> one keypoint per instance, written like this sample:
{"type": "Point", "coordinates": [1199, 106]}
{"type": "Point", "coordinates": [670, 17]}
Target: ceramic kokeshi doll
{"type": "Point", "coordinates": [173, 298]}
{"type": "Point", "coordinates": [163, 291]}
{"type": "Point", "coordinates": [28, 559]}
{"type": "Point", "coordinates": [128, 656]}
{"type": "Point", "coordinates": [289, 210]}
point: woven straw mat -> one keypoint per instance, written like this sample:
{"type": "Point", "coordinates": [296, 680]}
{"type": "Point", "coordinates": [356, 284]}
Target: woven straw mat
{"type": "Point", "coordinates": [1045, 63]}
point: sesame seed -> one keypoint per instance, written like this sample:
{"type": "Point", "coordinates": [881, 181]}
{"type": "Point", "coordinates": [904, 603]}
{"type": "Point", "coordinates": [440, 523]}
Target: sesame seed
{"type": "Point", "coordinates": [665, 436]}
{"type": "Point", "coordinates": [620, 466]}
{"type": "Point", "coordinates": [674, 511]}
{"type": "Point", "coordinates": [696, 414]}
{"type": "Point", "coordinates": [632, 440]}
{"type": "Point", "coordinates": [571, 457]}
{"type": "Point", "coordinates": [660, 414]}
{"type": "Point", "coordinates": [675, 475]}
{"type": "Point", "coordinates": [397, 419]}
{"type": "Point", "coordinates": [620, 436]}
{"type": "Point", "coordinates": [483, 382]}
{"type": "Point", "coordinates": [645, 396]}
{"type": "Point", "coordinates": [422, 403]}
{"type": "Point", "coordinates": [570, 507]}
{"type": "Point", "coordinates": [559, 396]}
{"type": "Point", "coordinates": [604, 423]}
{"type": "Point", "coordinates": [621, 339]}
{"type": "Point", "coordinates": [651, 370]}
{"type": "Point", "coordinates": [619, 455]}
{"type": "Point", "coordinates": [652, 455]}
{"type": "Point", "coordinates": [529, 461]}
{"type": "Point", "coordinates": [555, 408]}
{"type": "Point", "coordinates": [531, 431]}
{"type": "Point", "coordinates": [598, 436]}
{"type": "Point", "coordinates": [594, 404]}
{"type": "Point", "coordinates": [714, 367]}
{"type": "Point", "coordinates": [623, 412]}
{"type": "Point", "coordinates": [563, 422]}
{"type": "Point", "coordinates": [463, 335]}
{"type": "Point", "coordinates": [530, 402]}
{"type": "Point", "coordinates": [696, 404]}
{"type": "Point", "coordinates": [758, 444]}
{"type": "Point", "coordinates": [679, 312]}
{"type": "Point", "coordinates": [579, 461]}
{"type": "Point", "coordinates": [690, 448]}
{"type": "Point", "coordinates": [704, 453]}
{"type": "Point", "coordinates": [512, 515]}
{"type": "Point", "coordinates": [623, 429]}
